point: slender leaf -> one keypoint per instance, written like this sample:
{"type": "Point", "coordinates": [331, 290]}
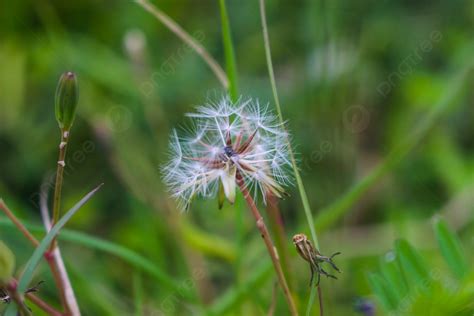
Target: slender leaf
{"type": "Point", "coordinates": [451, 248]}
{"type": "Point", "coordinates": [129, 256]}
{"type": "Point", "coordinates": [393, 275]}
{"type": "Point", "coordinates": [381, 289]}
{"type": "Point", "coordinates": [40, 250]}
{"type": "Point", "coordinates": [231, 67]}
{"type": "Point", "coordinates": [33, 262]}
{"type": "Point", "coordinates": [412, 264]}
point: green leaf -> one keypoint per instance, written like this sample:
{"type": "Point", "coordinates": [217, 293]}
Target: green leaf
{"type": "Point", "coordinates": [393, 275]}
{"type": "Point", "coordinates": [451, 248]}
{"type": "Point", "coordinates": [412, 264]}
{"type": "Point", "coordinates": [129, 256]}
{"type": "Point", "coordinates": [27, 275]}
{"type": "Point", "coordinates": [381, 289]}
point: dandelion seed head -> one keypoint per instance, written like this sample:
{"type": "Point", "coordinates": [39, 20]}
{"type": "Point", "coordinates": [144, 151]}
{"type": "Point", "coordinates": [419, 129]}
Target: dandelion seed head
{"type": "Point", "coordinates": [227, 140]}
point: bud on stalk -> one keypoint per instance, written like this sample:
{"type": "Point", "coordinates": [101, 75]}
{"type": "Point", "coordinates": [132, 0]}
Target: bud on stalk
{"type": "Point", "coordinates": [66, 100]}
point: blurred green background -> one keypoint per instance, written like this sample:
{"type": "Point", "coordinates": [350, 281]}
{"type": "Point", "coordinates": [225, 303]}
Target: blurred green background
{"type": "Point", "coordinates": [359, 82]}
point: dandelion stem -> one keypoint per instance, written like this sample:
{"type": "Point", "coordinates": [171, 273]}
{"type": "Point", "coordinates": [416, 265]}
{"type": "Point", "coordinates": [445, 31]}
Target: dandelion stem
{"type": "Point", "coordinates": [268, 242]}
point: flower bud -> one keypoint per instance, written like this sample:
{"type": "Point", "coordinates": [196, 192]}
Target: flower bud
{"type": "Point", "coordinates": [66, 100]}
{"type": "Point", "coordinates": [7, 263]}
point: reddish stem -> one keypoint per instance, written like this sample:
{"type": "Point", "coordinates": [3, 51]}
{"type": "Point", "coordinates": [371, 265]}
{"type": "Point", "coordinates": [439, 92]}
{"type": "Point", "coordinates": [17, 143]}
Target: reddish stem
{"type": "Point", "coordinates": [268, 243]}
{"type": "Point", "coordinates": [320, 298]}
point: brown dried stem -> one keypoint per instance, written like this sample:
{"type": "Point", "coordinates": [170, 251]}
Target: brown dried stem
{"type": "Point", "coordinates": [18, 224]}
{"type": "Point", "coordinates": [48, 255]}
{"type": "Point", "coordinates": [268, 243]}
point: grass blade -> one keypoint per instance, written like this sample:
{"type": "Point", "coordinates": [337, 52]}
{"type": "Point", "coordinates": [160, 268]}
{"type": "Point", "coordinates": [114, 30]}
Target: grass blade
{"type": "Point", "coordinates": [131, 257]}
{"type": "Point", "coordinates": [451, 248]}
{"type": "Point", "coordinates": [231, 67]}
{"type": "Point", "coordinates": [38, 254]}
{"type": "Point", "coordinates": [391, 272]}
{"type": "Point", "coordinates": [413, 266]}
{"type": "Point", "coordinates": [40, 250]}
{"type": "Point", "coordinates": [380, 288]}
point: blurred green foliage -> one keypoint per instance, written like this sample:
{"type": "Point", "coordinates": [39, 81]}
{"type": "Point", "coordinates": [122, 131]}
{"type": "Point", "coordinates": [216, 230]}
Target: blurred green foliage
{"type": "Point", "coordinates": [356, 79]}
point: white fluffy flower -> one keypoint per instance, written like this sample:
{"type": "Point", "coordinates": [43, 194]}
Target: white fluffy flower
{"type": "Point", "coordinates": [228, 143]}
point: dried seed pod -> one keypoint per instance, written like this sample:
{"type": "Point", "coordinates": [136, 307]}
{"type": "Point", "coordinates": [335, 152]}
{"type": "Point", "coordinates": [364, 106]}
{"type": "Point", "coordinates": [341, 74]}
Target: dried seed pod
{"type": "Point", "coordinates": [309, 253]}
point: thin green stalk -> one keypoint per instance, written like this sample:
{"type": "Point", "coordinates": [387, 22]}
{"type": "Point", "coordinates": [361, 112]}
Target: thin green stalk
{"type": "Point", "coordinates": [331, 214]}
{"type": "Point", "coordinates": [61, 163]}
{"type": "Point", "coordinates": [299, 181]}
{"type": "Point", "coordinates": [127, 255]}
{"type": "Point", "coordinates": [138, 293]}
{"type": "Point", "coordinates": [231, 67]}
{"type": "Point", "coordinates": [188, 39]}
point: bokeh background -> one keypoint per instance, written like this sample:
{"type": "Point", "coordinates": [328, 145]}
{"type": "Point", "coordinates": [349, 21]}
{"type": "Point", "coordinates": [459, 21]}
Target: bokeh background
{"type": "Point", "coordinates": [379, 100]}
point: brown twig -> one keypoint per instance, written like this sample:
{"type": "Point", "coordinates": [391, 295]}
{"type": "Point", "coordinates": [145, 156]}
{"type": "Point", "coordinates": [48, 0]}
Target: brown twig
{"type": "Point", "coordinates": [278, 227]}
{"type": "Point", "coordinates": [17, 297]}
{"type": "Point", "coordinates": [48, 255]}
{"type": "Point", "coordinates": [43, 305]}
{"type": "Point", "coordinates": [268, 243]}
{"type": "Point", "coordinates": [18, 224]}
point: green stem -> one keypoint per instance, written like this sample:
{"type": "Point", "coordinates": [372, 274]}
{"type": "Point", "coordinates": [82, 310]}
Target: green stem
{"type": "Point", "coordinates": [59, 178]}
{"type": "Point", "coordinates": [299, 181]}
{"type": "Point", "coordinates": [49, 255]}
{"type": "Point", "coordinates": [231, 67]}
